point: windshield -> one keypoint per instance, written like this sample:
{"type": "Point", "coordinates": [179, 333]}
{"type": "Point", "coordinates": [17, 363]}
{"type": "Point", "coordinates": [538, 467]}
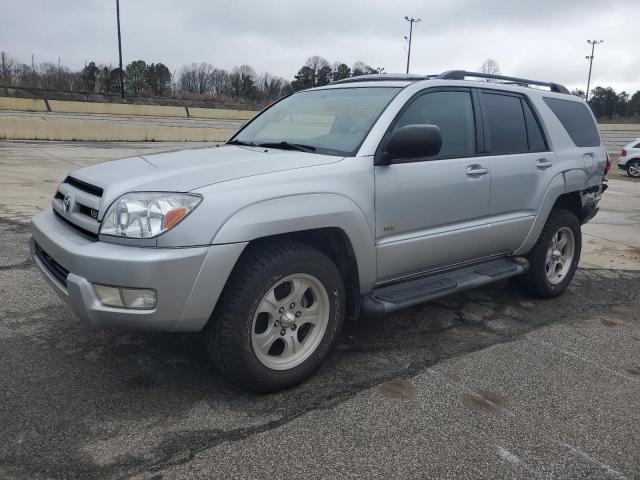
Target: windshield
{"type": "Point", "coordinates": [334, 121]}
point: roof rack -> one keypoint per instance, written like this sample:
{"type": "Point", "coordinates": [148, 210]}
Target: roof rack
{"type": "Point", "coordinates": [453, 75]}
{"type": "Point", "coordinates": [461, 75]}
{"type": "Point", "coordinates": [386, 77]}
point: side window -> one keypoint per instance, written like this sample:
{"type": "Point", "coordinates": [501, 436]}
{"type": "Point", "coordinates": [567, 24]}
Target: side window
{"type": "Point", "coordinates": [452, 112]}
{"type": "Point", "coordinates": [637, 146]}
{"type": "Point", "coordinates": [505, 119]}
{"type": "Point", "coordinates": [534, 132]}
{"type": "Point", "coordinates": [576, 120]}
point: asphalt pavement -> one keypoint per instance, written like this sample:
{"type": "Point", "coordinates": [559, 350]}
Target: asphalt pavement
{"type": "Point", "coordinates": [486, 384]}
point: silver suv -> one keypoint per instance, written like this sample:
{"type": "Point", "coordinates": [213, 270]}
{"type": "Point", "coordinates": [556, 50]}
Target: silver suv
{"type": "Point", "coordinates": [358, 198]}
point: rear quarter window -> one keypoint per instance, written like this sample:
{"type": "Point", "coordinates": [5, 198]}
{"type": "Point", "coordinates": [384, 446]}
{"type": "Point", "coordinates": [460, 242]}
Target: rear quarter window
{"type": "Point", "coordinates": [576, 120]}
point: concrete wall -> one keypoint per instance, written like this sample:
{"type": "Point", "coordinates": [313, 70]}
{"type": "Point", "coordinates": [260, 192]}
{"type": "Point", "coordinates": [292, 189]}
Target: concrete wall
{"type": "Point", "coordinates": [42, 127]}
{"type": "Point", "coordinates": [31, 119]}
{"type": "Point", "coordinates": [22, 104]}
{"type": "Point", "coordinates": [222, 114]}
{"type": "Point", "coordinates": [127, 109]}
{"type": "Point", "coordinates": [204, 102]}
{"type": "Point", "coordinates": [61, 106]}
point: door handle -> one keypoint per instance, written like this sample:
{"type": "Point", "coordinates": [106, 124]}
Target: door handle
{"type": "Point", "coordinates": [476, 170]}
{"type": "Point", "coordinates": [543, 163]}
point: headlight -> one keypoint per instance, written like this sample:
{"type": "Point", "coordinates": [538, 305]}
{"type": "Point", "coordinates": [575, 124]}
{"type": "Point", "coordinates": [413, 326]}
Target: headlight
{"type": "Point", "coordinates": [146, 215]}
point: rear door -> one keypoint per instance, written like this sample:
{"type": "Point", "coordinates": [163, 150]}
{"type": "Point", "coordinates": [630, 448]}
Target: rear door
{"type": "Point", "coordinates": [522, 166]}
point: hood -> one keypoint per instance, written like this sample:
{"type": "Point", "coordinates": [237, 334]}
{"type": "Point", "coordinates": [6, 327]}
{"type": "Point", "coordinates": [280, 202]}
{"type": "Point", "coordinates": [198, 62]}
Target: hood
{"type": "Point", "coordinates": [186, 170]}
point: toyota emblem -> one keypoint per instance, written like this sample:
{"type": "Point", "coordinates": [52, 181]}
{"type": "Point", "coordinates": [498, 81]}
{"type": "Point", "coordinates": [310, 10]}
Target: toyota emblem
{"type": "Point", "coordinates": [66, 204]}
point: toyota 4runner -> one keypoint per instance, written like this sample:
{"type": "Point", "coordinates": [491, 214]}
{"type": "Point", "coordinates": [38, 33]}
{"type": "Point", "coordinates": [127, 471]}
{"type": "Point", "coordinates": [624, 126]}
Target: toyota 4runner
{"type": "Point", "coordinates": [365, 196]}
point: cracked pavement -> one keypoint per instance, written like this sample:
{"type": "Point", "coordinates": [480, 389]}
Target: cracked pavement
{"type": "Point", "coordinates": [485, 384]}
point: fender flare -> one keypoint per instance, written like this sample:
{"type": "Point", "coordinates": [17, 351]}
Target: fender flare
{"type": "Point", "coordinates": [296, 213]}
{"type": "Point", "coordinates": [556, 187]}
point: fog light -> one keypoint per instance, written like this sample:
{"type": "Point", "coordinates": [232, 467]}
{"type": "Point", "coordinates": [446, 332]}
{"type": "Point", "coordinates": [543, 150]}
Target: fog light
{"type": "Point", "coordinates": [120, 297]}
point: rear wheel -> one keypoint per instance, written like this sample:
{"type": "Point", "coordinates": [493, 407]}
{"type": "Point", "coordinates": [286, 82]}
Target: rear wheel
{"type": "Point", "coordinates": [633, 168]}
{"type": "Point", "coordinates": [278, 316]}
{"type": "Point", "coordinates": [554, 258]}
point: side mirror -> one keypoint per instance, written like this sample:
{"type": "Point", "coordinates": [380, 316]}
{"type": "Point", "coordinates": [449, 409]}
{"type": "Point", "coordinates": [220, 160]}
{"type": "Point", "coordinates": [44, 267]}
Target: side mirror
{"type": "Point", "coordinates": [414, 141]}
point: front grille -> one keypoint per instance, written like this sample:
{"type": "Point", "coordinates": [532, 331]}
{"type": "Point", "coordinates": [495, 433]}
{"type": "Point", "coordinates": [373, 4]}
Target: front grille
{"type": "Point", "coordinates": [82, 231]}
{"type": "Point", "coordinates": [84, 186]}
{"type": "Point", "coordinates": [57, 270]}
{"type": "Point", "coordinates": [90, 212]}
{"type": "Point", "coordinates": [77, 204]}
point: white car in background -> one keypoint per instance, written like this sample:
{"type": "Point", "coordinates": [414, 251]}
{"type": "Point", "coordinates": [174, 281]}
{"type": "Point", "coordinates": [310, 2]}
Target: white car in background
{"type": "Point", "coordinates": [630, 159]}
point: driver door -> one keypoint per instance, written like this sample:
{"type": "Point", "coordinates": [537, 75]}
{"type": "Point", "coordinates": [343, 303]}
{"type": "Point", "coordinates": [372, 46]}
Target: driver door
{"type": "Point", "coordinates": [432, 212]}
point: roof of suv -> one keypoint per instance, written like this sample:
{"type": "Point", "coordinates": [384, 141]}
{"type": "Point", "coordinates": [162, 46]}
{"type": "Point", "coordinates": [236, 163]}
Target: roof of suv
{"type": "Point", "coordinates": [402, 79]}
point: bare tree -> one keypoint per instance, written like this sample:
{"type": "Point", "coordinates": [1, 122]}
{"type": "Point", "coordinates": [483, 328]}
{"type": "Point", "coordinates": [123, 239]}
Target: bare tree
{"type": "Point", "coordinates": [319, 69]}
{"type": "Point", "coordinates": [55, 77]}
{"type": "Point", "coordinates": [243, 82]}
{"type": "Point", "coordinates": [196, 78]}
{"type": "Point", "coordinates": [24, 75]}
{"type": "Point", "coordinates": [271, 87]}
{"type": "Point", "coordinates": [6, 68]}
{"type": "Point", "coordinates": [102, 79]}
{"type": "Point", "coordinates": [361, 68]}
{"type": "Point", "coordinates": [490, 66]}
{"type": "Point", "coordinates": [220, 82]}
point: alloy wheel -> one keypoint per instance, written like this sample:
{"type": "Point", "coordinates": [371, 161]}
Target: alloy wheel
{"type": "Point", "coordinates": [290, 321]}
{"type": "Point", "coordinates": [560, 254]}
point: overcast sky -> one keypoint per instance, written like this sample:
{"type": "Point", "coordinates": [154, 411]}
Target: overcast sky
{"type": "Point", "coordinates": [542, 39]}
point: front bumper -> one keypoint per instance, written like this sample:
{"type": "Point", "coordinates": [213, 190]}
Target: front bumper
{"type": "Point", "coordinates": [188, 281]}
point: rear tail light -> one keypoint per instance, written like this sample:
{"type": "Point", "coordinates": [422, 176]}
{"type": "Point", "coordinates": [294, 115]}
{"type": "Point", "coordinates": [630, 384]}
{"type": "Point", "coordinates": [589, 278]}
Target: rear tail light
{"type": "Point", "coordinates": [608, 167]}
{"type": "Point", "coordinates": [623, 153]}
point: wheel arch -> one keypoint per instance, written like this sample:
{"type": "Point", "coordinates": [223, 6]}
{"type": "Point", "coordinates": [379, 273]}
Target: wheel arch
{"type": "Point", "coordinates": [332, 223]}
{"type": "Point", "coordinates": [563, 192]}
{"type": "Point", "coordinates": [572, 202]}
{"type": "Point", "coordinates": [333, 242]}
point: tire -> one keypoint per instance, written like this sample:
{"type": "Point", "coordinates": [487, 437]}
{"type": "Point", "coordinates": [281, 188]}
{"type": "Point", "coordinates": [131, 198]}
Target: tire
{"type": "Point", "coordinates": [633, 168]}
{"type": "Point", "coordinates": [545, 278]}
{"type": "Point", "coordinates": [244, 336]}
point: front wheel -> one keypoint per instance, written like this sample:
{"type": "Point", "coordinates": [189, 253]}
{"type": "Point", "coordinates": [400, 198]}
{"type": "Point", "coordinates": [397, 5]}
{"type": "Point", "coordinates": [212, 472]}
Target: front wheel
{"type": "Point", "coordinates": [633, 168]}
{"type": "Point", "coordinates": [554, 258]}
{"type": "Point", "coordinates": [280, 313]}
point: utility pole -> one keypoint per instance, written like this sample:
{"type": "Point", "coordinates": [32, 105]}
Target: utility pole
{"type": "Point", "coordinates": [593, 44]}
{"type": "Point", "coordinates": [411, 22]}
{"type": "Point", "coordinates": [120, 49]}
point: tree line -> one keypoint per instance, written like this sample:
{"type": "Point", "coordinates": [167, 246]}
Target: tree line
{"type": "Point", "coordinates": [607, 103]}
{"type": "Point", "coordinates": [240, 84]}
{"type": "Point", "coordinates": [197, 80]}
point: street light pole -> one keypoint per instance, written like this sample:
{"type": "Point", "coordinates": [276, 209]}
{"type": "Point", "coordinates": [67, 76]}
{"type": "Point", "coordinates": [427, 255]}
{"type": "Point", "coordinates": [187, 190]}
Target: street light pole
{"type": "Point", "coordinates": [411, 22]}
{"type": "Point", "coordinates": [120, 49]}
{"type": "Point", "coordinates": [593, 44]}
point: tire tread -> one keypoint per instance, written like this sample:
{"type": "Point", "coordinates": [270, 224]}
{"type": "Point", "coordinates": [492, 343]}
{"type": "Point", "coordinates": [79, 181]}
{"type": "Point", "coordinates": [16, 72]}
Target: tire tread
{"type": "Point", "coordinates": [534, 281]}
{"type": "Point", "coordinates": [236, 300]}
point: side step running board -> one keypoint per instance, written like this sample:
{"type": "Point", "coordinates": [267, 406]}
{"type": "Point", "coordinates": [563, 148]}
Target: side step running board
{"type": "Point", "coordinates": [412, 292]}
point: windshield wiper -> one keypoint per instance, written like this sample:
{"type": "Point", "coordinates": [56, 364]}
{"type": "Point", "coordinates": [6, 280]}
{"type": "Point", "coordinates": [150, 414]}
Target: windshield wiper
{"type": "Point", "coordinates": [288, 146]}
{"type": "Point", "coordinates": [242, 143]}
